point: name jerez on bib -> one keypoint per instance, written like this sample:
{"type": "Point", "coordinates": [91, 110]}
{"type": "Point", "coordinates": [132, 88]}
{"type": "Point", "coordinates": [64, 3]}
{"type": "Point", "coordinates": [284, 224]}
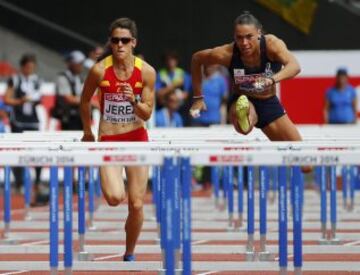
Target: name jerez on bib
{"type": "Point", "coordinates": [117, 109]}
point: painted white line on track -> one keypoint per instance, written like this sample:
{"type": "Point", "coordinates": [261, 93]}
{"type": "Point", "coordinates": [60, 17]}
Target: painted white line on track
{"type": "Point", "coordinates": [34, 243]}
{"type": "Point", "coordinates": [107, 257]}
{"type": "Point", "coordinates": [289, 256]}
{"type": "Point", "coordinates": [207, 273]}
{"type": "Point", "coordinates": [199, 242]}
{"type": "Point", "coordinates": [352, 243]}
{"type": "Point", "coordinates": [15, 272]}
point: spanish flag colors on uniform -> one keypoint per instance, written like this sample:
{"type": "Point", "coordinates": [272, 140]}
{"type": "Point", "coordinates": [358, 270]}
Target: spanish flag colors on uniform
{"type": "Point", "coordinates": [299, 13]}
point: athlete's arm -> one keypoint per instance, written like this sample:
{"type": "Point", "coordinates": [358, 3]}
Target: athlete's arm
{"type": "Point", "coordinates": [277, 51]}
{"type": "Point", "coordinates": [219, 55]}
{"type": "Point", "coordinates": [144, 107]}
{"type": "Point", "coordinates": [90, 86]}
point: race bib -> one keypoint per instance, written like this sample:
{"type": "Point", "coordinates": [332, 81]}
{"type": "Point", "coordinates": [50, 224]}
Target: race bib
{"type": "Point", "coordinates": [117, 109]}
{"type": "Point", "coordinates": [250, 82]}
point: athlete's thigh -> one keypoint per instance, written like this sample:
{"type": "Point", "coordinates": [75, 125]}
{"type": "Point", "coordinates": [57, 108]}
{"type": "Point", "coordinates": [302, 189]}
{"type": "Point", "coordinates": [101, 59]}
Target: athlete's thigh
{"type": "Point", "coordinates": [112, 182]}
{"type": "Point", "coordinates": [137, 178]}
{"type": "Point", "coordinates": [282, 129]}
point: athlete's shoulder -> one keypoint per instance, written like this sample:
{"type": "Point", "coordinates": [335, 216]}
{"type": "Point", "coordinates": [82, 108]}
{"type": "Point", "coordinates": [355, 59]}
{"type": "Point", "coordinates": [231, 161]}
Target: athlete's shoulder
{"type": "Point", "coordinates": [273, 41]}
{"type": "Point", "coordinates": [148, 71]}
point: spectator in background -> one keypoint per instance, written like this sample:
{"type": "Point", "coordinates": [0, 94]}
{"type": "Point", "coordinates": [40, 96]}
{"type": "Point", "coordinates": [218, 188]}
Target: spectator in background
{"type": "Point", "coordinates": [340, 102]}
{"type": "Point", "coordinates": [92, 57]}
{"type": "Point", "coordinates": [23, 95]}
{"type": "Point", "coordinates": [168, 115]}
{"type": "Point", "coordinates": [172, 79]}
{"type": "Point", "coordinates": [3, 116]}
{"type": "Point", "coordinates": [68, 92]}
{"type": "Point", "coordinates": [215, 90]}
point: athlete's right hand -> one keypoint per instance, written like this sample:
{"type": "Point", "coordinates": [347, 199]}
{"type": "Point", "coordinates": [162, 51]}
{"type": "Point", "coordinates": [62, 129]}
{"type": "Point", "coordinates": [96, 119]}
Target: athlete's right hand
{"type": "Point", "coordinates": [197, 107]}
{"type": "Point", "coordinates": [88, 137]}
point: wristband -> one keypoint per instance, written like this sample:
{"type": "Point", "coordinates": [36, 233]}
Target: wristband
{"type": "Point", "coordinates": [198, 97]}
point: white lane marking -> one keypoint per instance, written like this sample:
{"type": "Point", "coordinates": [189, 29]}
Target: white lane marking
{"type": "Point", "coordinates": [207, 273]}
{"type": "Point", "coordinates": [37, 242]}
{"type": "Point", "coordinates": [199, 242]}
{"type": "Point", "coordinates": [15, 272]}
{"type": "Point", "coordinates": [107, 257]}
{"type": "Point", "coordinates": [352, 243]}
{"type": "Point", "coordinates": [289, 256]}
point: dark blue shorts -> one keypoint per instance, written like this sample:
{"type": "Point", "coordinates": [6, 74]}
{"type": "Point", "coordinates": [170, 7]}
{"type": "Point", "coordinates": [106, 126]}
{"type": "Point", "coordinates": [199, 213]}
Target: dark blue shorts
{"type": "Point", "coordinates": [268, 110]}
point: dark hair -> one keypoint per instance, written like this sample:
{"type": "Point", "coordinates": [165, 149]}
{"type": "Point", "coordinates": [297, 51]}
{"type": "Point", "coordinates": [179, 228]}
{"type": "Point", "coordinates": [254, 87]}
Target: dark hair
{"type": "Point", "coordinates": [246, 18]}
{"type": "Point", "coordinates": [27, 58]}
{"type": "Point", "coordinates": [123, 23]}
{"type": "Point", "coordinates": [170, 54]}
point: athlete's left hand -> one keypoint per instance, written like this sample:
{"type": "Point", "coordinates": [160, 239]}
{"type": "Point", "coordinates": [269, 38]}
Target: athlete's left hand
{"type": "Point", "coordinates": [128, 92]}
{"type": "Point", "coordinates": [263, 83]}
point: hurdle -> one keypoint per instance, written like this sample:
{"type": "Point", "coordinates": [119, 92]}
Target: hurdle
{"type": "Point", "coordinates": [230, 147]}
{"type": "Point", "coordinates": [232, 158]}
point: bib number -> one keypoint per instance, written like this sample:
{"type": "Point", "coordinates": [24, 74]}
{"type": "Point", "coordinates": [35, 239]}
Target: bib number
{"type": "Point", "coordinates": [117, 109]}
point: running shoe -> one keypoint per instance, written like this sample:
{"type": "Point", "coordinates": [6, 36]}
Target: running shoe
{"type": "Point", "coordinates": [242, 111]}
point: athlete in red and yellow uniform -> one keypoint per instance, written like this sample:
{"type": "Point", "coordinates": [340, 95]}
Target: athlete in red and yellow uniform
{"type": "Point", "coordinates": [126, 87]}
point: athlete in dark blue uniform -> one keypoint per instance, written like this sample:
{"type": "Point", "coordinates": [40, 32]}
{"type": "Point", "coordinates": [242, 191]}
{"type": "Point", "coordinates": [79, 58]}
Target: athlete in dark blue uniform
{"type": "Point", "coordinates": [256, 63]}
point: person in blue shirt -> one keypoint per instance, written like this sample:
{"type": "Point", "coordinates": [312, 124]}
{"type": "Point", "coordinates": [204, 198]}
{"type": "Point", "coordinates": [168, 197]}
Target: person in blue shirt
{"type": "Point", "coordinates": [340, 102]}
{"type": "Point", "coordinates": [215, 88]}
{"type": "Point", "coordinates": [173, 79]}
{"type": "Point", "coordinates": [3, 116]}
{"type": "Point", "coordinates": [168, 115]}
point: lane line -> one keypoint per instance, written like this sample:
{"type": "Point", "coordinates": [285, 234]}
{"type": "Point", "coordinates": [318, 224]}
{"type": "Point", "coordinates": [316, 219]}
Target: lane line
{"type": "Point", "coordinates": [352, 243]}
{"type": "Point", "coordinates": [107, 257]}
{"type": "Point", "coordinates": [36, 242]}
{"type": "Point", "coordinates": [289, 256]}
{"type": "Point", "coordinates": [207, 273]}
{"type": "Point", "coordinates": [15, 272]}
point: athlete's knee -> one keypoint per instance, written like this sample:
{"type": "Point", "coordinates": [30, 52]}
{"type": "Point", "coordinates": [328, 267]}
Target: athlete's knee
{"type": "Point", "coordinates": [114, 200]}
{"type": "Point", "coordinates": [136, 205]}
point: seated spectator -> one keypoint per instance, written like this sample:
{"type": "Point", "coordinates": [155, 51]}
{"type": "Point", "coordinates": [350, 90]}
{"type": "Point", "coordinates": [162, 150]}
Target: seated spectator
{"type": "Point", "coordinates": [340, 102]}
{"type": "Point", "coordinates": [215, 90]}
{"type": "Point", "coordinates": [168, 115]}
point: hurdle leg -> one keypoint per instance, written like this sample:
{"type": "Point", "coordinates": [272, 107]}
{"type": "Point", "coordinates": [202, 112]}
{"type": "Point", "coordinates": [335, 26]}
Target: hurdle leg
{"type": "Point", "coordinates": [230, 190]}
{"type": "Point", "coordinates": [68, 252]}
{"type": "Point", "coordinates": [7, 208]}
{"type": "Point", "coordinates": [97, 188]}
{"type": "Point", "coordinates": [216, 185]}
{"type": "Point", "coordinates": [176, 213]}
{"type": "Point", "coordinates": [27, 192]}
{"type": "Point", "coordinates": [264, 255]}
{"type": "Point", "coordinates": [352, 187]}
{"type": "Point", "coordinates": [333, 239]}
{"type": "Point", "coordinates": [344, 180]}
{"type": "Point", "coordinates": [323, 204]}
{"type": "Point", "coordinates": [186, 214]}
{"type": "Point", "coordinates": [282, 212]}
{"type": "Point", "coordinates": [54, 220]}
{"type": "Point", "coordinates": [91, 198]}
{"type": "Point", "coordinates": [297, 190]}
{"type": "Point", "coordinates": [250, 252]}
{"type": "Point", "coordinates": [239, 222]}
{"type": "Point", "coordinates": [169, 217]}
{"type": "Point", "coordinates": [82, 254]}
